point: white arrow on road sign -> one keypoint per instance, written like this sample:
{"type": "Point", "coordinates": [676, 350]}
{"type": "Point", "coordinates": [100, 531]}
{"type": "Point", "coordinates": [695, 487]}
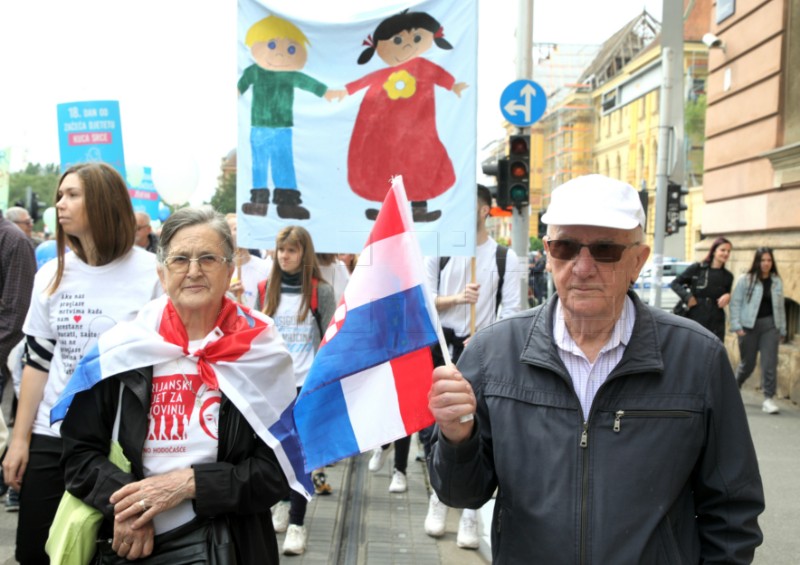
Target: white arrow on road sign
{"type": "Point", "coordinates": [523, 102]}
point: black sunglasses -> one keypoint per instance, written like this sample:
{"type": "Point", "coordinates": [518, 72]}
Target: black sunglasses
{"type": "Point", "coordinates": [566, 250]}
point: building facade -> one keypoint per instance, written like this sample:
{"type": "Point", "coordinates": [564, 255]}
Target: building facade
{"type": "Point", "coordinates": [752, 150]}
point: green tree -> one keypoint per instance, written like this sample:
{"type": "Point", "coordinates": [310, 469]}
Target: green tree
{"type": "Point", "coordinates": [43, 180]}
{"type": "Point", "coordinates": [694, 119]}
{"type": "Point", "coordinates": [224, 199]}
{"type": "Point", "coordinates": [536, 244]}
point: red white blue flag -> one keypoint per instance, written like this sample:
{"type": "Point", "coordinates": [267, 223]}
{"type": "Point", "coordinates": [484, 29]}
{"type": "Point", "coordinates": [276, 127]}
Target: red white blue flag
{"type": "Point", "coordinates": [370, 379]}
{"type": "Point", "coordinates": [244, 356]}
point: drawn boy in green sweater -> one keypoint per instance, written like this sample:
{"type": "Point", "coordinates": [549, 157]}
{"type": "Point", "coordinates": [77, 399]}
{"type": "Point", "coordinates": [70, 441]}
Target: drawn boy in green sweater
{"type": "Point", "coordinates": [279, 50]}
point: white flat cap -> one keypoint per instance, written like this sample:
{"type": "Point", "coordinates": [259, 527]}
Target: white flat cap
{"type": "Point", "coordinates": [595, 200]}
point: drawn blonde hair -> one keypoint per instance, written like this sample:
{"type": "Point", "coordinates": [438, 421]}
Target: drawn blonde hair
{"type": "Point", "coordinates": [273, 27]}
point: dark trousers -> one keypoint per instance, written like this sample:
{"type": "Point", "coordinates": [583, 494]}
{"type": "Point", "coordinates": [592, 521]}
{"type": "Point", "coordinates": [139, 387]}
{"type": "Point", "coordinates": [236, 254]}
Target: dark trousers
{"type": "Point", "coordinates": [764, 338]}
{"type": "Point", "coordinates": [401, 448]}
{"type": "Point", "coordinates": [297, 508]}
{"type": "Point", "coordinates": [42, 488]}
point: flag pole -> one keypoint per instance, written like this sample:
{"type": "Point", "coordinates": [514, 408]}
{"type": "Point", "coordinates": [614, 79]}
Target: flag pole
{"type": "Point", "coordinates": [472, 306]}
{"type": "Point", "coordinates": [239, 276]}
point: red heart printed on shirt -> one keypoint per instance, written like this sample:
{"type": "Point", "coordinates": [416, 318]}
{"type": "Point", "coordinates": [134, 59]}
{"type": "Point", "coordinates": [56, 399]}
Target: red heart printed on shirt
{"type": "Point", "coordinates": [77, 318]}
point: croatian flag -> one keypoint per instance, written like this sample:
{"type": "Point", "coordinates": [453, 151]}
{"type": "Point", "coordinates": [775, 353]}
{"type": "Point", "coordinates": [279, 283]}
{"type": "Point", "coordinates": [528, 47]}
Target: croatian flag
{"type": "Point", "coordinates": [244, 353]}
{"type": "Point", "coordinates": [370, 379]}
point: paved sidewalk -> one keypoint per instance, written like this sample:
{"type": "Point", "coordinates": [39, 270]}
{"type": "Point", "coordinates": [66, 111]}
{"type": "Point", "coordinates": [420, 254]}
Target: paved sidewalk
{"type": "Point", "coordinates": [391, 527]}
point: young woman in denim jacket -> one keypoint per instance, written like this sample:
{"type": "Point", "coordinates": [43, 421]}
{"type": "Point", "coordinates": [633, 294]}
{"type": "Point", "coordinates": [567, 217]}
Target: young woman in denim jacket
{"type": "Point", "coordinates": [758, 317]}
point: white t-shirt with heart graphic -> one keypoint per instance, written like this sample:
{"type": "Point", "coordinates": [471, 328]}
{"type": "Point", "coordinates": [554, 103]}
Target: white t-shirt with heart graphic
{"type": "Point", "coordinates": [89, 301]}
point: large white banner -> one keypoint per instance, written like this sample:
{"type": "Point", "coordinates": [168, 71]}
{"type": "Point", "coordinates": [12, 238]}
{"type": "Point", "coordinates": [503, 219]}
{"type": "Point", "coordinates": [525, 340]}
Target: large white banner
{"type": "Point", "coordinates": [337, 98]}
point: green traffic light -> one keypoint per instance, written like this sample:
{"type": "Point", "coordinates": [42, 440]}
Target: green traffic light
{"type": "Point", "coordinates": [518, 194]}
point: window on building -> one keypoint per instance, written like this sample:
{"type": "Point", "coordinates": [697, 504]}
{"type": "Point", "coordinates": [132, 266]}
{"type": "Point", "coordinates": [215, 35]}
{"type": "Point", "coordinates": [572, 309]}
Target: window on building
{"type": "Point", "coordinates": [653, 163]}
{"type": "Point", "coordinates": [609, 100]}
{"type": "Point", "coordinates": [641, 170]}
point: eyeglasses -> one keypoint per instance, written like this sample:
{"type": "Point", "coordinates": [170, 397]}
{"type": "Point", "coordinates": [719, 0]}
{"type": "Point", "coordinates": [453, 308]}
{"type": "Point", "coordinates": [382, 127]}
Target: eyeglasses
{"type": "Point", "coordinates": [28, 222]}
{"type": "Point", "coordinates": [138, 228]}
{"type": "Point", "coordinates": [180, 264]}
{"type": "Point", "coordinates": [566, 250]}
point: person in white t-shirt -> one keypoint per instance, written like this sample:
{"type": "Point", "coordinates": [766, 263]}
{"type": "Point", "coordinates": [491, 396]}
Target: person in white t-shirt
{"type": "Point", "coordinates": [334, 272]}
{"type": "Point", "coordinates": [250, 270]}
{"type": "Point", "coordinates": [454, 294]}
{"type": "Point", "coordinates": [105, 280]}
{"type": "Point", "coordinates": [302, 305]}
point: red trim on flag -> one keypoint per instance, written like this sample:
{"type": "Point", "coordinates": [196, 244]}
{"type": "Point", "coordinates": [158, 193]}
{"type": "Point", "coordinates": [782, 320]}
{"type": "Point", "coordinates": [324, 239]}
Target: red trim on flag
{"type": "Point", "coordinates": [412, 377]}
{"type": "Point", "coordinates": [389, 221]}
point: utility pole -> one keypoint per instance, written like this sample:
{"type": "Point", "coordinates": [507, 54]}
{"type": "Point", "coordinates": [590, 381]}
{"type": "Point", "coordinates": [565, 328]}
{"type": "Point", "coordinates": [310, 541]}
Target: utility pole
{"type": "Point", "coordinates": [662, 176]}
{"type": "Point", "coordinates": [520, 219]}
{"type": "Point", "coordinates": [670, 163]}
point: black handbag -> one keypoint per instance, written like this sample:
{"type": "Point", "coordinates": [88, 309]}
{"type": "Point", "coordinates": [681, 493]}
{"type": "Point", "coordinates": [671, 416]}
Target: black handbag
{"type": "Point", "coordinates": [199, 542]}
{"type": "Point", "coordinates": [681, 309]}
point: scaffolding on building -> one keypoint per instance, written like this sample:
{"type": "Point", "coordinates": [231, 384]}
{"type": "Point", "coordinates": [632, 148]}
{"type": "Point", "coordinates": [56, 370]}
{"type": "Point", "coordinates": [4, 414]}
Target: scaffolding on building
{"type": "Point", "coordinates": [567, 135]}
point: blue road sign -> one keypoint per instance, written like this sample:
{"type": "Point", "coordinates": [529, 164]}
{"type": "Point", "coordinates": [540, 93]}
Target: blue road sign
{"type": "Point", "coordinates": [523, 102]}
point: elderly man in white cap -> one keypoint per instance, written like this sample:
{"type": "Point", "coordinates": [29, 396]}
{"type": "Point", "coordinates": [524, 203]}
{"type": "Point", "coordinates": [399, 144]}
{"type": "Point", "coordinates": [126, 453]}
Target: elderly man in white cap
{"type": "Point", "coordinates": [612, 432]}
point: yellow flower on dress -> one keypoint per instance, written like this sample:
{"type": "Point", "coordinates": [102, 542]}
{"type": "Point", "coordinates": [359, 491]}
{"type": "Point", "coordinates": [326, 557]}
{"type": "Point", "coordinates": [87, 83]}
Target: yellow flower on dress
{"type": "Point", "coordinates": [400, 85]}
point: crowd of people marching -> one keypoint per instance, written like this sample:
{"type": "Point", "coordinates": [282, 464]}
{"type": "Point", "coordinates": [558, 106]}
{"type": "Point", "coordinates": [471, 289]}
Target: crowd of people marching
{"type": "Point", "coordinates": [157, 426]}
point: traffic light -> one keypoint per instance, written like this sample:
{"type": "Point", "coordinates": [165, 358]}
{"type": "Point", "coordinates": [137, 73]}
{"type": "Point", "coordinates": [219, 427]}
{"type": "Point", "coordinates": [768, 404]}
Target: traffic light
{"type": "Point", "coordinates": [33, 204]}
{"type": "Point", "coordinates": [675, 206]}
{"type": "Point", "coordinates": [644, 198]}
{"type": "Point", "coordinates": [519, 170]}
{"type": "Point", "coordinates": [542, 228]}
{"type": "Point", "coordinates": [498, 170]}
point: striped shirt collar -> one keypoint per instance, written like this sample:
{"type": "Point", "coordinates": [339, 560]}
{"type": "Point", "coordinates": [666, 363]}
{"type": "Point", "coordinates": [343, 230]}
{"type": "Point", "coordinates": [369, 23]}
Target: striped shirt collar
{"type": "Point", "coordinates": [620, 335]}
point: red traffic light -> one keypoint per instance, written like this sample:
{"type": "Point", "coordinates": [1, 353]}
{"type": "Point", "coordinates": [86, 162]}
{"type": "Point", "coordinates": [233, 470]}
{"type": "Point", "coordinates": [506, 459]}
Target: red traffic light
{"type": "Point", "coordinates": [518, 170]}
{"type": "Point", "coordinates": [519, 145]}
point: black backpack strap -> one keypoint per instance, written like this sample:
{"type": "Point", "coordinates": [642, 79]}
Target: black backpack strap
{"type": "Point", "coordinates": [442, 262]}
{"type": "Point", "coordinates": [500, 258]}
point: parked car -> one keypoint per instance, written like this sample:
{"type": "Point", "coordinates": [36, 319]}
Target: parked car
{"type": "Point", "coordinates": [671, 270]}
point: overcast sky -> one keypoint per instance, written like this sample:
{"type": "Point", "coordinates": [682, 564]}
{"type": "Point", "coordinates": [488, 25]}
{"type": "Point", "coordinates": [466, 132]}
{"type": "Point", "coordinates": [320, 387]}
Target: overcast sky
{"type": "Point", "coordinates": [171, 64]}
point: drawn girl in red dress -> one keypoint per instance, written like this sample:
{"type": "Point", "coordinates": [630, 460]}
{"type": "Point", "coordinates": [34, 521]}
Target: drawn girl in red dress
{"type": "Point", "coordinates": [395, 130]}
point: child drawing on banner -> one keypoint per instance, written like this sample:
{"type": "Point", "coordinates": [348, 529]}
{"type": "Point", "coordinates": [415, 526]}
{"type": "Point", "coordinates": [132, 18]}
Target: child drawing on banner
{"type": "Point", "coordinates": [395, 130]}
{"type": "Point", "coordinates": [279, 50]}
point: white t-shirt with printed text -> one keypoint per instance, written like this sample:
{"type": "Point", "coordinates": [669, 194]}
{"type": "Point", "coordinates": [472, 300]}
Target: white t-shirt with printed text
{"type": "Point", "coordinates": [88, 301]}
{"type": "Point", "coordinates": [300, 337]}
{"type": "Point", "coordinates": [182, 428]}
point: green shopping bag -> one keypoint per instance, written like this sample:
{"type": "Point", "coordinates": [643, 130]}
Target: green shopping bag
{"type": "Point", "coordinates": [73, 534]}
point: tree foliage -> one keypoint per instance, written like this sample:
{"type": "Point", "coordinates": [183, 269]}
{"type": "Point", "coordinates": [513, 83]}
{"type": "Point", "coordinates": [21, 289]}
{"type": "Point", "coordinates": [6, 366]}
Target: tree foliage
{"type": "Point", "coordinates": [694, 119]}
{"type": "Point", "coordinates": [43, 180]}
{"type": "Point", "coordinates": [224, 199]}
{"type": "Point", "coordinates": [536, 244]}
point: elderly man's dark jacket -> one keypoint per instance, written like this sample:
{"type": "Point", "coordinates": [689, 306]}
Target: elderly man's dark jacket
{"type": "Point", "coordinates": [662, 471]}
{"type": "Point", "coordinates": [243, 484]}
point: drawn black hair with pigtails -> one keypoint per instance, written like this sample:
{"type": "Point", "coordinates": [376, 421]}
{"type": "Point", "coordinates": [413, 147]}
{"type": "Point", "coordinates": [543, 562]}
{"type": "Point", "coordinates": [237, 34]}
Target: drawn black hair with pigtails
{"type": "Point", "coordinates": [404, 21]}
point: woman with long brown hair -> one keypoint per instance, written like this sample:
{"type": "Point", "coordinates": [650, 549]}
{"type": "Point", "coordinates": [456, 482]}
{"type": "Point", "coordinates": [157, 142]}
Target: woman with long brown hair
{"type": "Point", "coordinates": [301, 303]}
{"type": "Point", "coordinates": [705, 288]}
{"type": "Point", "coordinates": [758, 318]}
{"type": "Point", "coordinates": [104, 280]}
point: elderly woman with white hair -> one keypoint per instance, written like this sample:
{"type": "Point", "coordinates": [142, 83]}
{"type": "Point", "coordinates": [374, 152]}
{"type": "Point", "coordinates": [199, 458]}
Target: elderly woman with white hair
{"type": "Point", "coordinates": [197, 378]}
